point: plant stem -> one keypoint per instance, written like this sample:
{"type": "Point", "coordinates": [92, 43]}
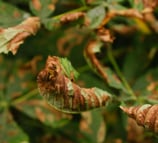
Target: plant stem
{"type": "Point", "coordinates": [72, 11]}
{"type": "Point", "coordinates": [25, 97]}
{"type": "Point", "coordinates": [119, 73]}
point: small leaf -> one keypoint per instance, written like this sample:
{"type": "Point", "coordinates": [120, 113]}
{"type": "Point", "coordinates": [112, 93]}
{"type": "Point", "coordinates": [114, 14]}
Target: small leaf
{"type": "Point", "coordinates": [68, 69]}
{"type": "Point", "coordinates": [96, 16]}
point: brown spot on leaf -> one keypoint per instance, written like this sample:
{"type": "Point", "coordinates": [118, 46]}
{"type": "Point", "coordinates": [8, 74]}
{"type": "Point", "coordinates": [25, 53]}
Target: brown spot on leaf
{"type": "Point", "coordinates": [69, 40]}
{"type": "Point", "coordinates": [40, 114]}
{"type": "Point", "coordinates": [105, 35]}
{"type": "Point", "coordinates": [152, 86]}
{"type": "Point", "coordinates": [85, 122]}
{"type": "Point", "coordinates": [16, 14]}
{"type": "Point", "coordinates": [37, 5]}
{"type": "Point", "coordinates": [51, 7]}
{"type": "Point", "coordinates": [150, 4]}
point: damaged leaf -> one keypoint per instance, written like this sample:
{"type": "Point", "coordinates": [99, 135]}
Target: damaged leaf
{"type": "Point", "coordinates": [11, 15]}
{"type": "Point", "coordinates": [63, 94]}
{"type": "Point", "coordinates": [105, 72]}
{"type": "Point", "coordinates": [145, 115]}
{"type": "Point", "coordinates": [42, 8]}
{"type": "Point", "coordinates": [11, 38]}
{"type": "Point", "coordinates": [10, 132]}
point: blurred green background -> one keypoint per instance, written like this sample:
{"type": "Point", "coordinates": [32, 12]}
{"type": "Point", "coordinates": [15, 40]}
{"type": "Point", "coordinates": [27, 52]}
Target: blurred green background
{"type": "Point", "coordinates": [24, 115]}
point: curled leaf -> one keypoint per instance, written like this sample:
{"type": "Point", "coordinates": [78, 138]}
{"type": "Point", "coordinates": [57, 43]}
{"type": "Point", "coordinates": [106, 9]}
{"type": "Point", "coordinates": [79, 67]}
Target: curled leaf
{"type": "Point", "coordinates": [63, 94]}
{"type": "Point", "coordinates": [145, 115]}
{"type": "Point", "coordinates": [105, 35]}
{"type": "Point", "coordinates": [71, 17]}
{"type": "Point", "coordinates": [11, 38]}
{"type": "Point", "coordinates": [105, 72]}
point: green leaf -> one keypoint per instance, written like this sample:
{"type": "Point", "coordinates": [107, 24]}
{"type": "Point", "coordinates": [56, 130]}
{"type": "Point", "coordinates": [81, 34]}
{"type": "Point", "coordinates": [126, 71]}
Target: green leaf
{"type": "Point", "coordinates": [68, 69]}
{"type": "Point", "coordinates": [34, 128]}
{"type": "Point", "coordinates": [114, 1]}
{"type": "Point", "coordinates": [51, 23]}
{"type": "Point", "coordinates": [9, 131]}
{"type": "Point", "coordinates": [132, 68]}
{"type": "Point", "coordinates": [35, 108]}
{"type": "Point", "coordinates": [138, 5]}
{"type": "Point", "coordinates": [116, 7]}
{"type": "Point", "coordinates": [95, 129]}
{"type": "Point", "coordinates": [146, 85]}
{"type": "Point", "coordinates": [10, 15]}
{"type": "Point", "coordinates": [96, 16]}
{"type": "Point", "coordinates": [14, 73]}
{"type": "Point", "coordinates": [42, 8]}
{"type": "Point", "coordinates": [113, 82]}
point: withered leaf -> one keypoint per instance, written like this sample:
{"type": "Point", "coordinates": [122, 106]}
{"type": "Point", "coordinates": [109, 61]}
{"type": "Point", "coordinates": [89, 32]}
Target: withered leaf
{"type": "Point", "coordinates": [11, 38]}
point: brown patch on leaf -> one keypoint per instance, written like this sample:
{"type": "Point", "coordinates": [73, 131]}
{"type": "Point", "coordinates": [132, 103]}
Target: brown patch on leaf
{"type": "Point", "coordinates": [101, 132]}
{"type": "Point", "coordinates": [70, 39]}
{"type": "Point", "coordinates": [36, 4]}
{"type": "Point", "coordinates": [105, 35]}
{"type": "Point", "coordinates": [16, 14]}
{"type": "Point", "coordinates": [64, 94]}
{"type": "Point", "coordinates": [129, 13]}
{"type": "Point", "coordinates": [40, 114]}
{"type": "Point", "coordinates": [31, 65]}
{"type": "Point", "coordinates": [89, 52]}
{"type": "Point", "coordinates": [71, 17]}
{"type": "Point", "coordinates": [51, 7]}
{"type": "Point", "coordinates": [150, 4]}
{"type": "Point", "coordinates": [85, 122]}
{"type": "Point", "coordinates": [29, 27]}
{"type": "Point", "coordinates": [134, 132]}
{"type": "Point", "coordinates": [145, 115]}
{"type": "Point", "coordinates": [152, 86]}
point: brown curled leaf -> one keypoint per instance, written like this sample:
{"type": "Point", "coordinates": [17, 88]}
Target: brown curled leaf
{"type": "Point", "coordinates": [71, 17]}
{"type": "Point", "coordinates": [133, 13]}
{"type": "Point", "coordinates": [105, 72]}
{"type": "Point", "coordinates": [11, 38]}
{"type": "Point", "coordinates": [150, 4]}
{"type": "Point", "coordinates": [65, 95]}
{"type": "Point", "coordinates": [105, 35]}
{"type": "Point", "coordinates": [145, 115]}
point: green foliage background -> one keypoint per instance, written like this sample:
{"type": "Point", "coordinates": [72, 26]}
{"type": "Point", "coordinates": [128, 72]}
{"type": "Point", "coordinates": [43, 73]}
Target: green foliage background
{"type": "Point", "coordinates": [24, 115]}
